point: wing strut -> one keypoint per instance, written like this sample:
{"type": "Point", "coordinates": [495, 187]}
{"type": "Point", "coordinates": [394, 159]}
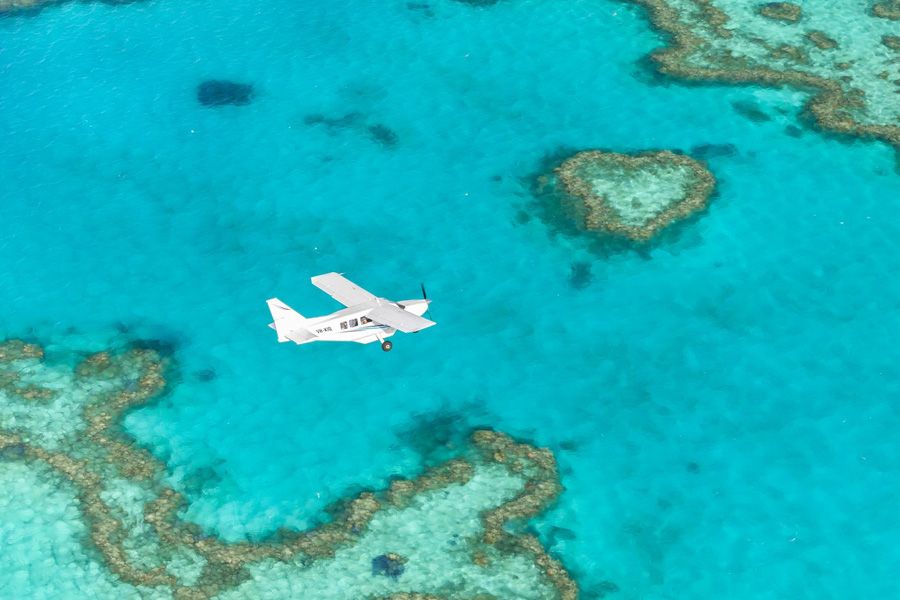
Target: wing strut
{"type": "Point", "coordinates": [401, 320]}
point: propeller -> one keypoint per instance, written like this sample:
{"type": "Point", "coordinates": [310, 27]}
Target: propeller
{"type": "Point", "coordinates": [425, 297]}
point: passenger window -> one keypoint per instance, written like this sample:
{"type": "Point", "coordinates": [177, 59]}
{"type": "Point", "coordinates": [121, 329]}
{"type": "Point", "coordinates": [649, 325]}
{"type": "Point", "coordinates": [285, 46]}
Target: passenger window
{"type": "Point", "coordinates": [344, 325]}
{"type": "Point", "coordinates": [353, 322]}
{"type": "Point", "coordinates": [365, 320]}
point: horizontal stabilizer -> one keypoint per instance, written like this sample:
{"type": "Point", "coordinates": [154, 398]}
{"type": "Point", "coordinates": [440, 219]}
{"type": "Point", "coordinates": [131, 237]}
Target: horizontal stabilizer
{"type": "Point", "coordinates": [399, 319]}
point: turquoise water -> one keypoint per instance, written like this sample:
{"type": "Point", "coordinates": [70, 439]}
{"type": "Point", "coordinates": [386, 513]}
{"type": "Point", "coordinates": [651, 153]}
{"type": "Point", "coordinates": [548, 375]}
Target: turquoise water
{"type": "Point", "coordinates": [721, 403]}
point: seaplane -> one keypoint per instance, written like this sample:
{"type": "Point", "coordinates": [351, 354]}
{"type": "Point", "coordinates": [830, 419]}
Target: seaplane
{"type": "Point", "coordinates": [366, 318]}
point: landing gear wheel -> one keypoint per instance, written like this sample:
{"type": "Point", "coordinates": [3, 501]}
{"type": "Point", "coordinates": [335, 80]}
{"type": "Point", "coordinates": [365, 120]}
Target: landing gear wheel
{"type": "Point", "coordinates": [386, 345]}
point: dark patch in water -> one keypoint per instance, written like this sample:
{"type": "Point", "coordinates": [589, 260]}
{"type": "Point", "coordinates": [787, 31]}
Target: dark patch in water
{"type": "Point", "coordinates": [435, 436]}
{"type": "Point", "coordinates": [750, 111]}
{"type": "Point", "coordinates": [713, 150]}
{"type": "Point", "coordinates": [388, 565]}
{"type": "Point", "coordinates": [692, 467]}
{"type": "Point", "coordinates": [422, 7]}
{"type": "Point", "coordinates": [201, 479]}
{"type": "Point", "coordinates": [219, 92]}
{"type": "Point", "coordinates": [496, 178]}
{"type": "Point", "coordinates": [378, 132]}
{"type": "Point", "coordinates": [600, 590]}
{"type": "Point", "coordinates": [341, 122]}
{"type": "Point", "coordinates": [165, 347]}
{"type": "Point", "coordinates": [205, 375]}
{"type": "Point", "coordinates": [522, 217]}
{"type": "Point", "coordinates": [479, 3]}
{"type": "Point", "coordinates": [646, 71]}
{"type": "Point", "coordinates": [569, 445]}
{"type": "Point", "coordinates": [793, 131]}
{"type": "Point", "coordinates": [383, 134]}
{"type": "Point", "coordinates": [122, 327]}
{"type": "Point", "coordinates": [559, 534]}
{"type": "Point", "coordinates": [580, 275]}
{"type": "Point", "coordinates": [340, 506]}
{"type": "Point", "coordinates": [13, 451]}
{"type": "Point", "coordinates": [163, 453]}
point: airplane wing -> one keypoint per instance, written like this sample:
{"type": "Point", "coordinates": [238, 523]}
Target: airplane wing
{"type": "Point", "coordinates": [399, 319]}
{"type": "Point", "coordinates": [341, 289]}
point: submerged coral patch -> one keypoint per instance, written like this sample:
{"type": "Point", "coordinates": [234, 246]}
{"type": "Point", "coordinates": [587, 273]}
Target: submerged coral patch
{"type": "Point", "coordinates": [634, 196]}
{"type": "Point", "coordinates": [580, 275]}
{"type": "Point", "coordinates": [479, 3]}
{"type": "Point", "coordinates": [205, 375]}
{"type": "Point", "coordinates": [437, 527]}
{"type": "Point", "coordinates": [751, 111]}
{"type": "Point", "coordinates": [218, 92]}
{"type": "Point", "coordinates": [423, 7]}
{"type": "Point", "coordinates": [706, 151]}
{"type": "Point", "coordinates": [333, 123]}
{"type": "Point", "coordinates": [383, 134]}
{"type": "Point", "coordinates": [377, 132]}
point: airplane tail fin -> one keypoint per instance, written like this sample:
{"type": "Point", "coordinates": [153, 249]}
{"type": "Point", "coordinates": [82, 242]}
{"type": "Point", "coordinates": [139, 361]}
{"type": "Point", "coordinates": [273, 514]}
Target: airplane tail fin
{"type": "Point", "coordinates": [286, 319]}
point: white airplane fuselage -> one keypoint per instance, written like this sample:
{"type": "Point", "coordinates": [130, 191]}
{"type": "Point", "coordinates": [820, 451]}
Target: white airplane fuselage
{"type": "Point", "coordinates": [353, 325]}
{"type": "Point", "coordinates": [366, 317]}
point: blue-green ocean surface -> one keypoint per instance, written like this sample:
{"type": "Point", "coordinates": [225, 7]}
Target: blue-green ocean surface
{"type": "Point", "coordinates": [722, 403]}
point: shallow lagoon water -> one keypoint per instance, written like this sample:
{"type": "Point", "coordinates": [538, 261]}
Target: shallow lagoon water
{"type": "Point", "coordinates": [721, 402]}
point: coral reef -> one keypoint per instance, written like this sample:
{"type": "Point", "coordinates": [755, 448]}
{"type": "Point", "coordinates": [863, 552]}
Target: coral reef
{"type": "Point", "coordinates": [445, 531]}
{"type": "Point", "coordinates": [887, 9]}
{"type": "Point", "coordinates": [781, 11]}
{"type": "Point", "coordinates": [821, 40]}
{"type": "Point", "coordinates": [12, 6]}
{"type": "Point", "coordinates": [34, 6]}
{"type": "Point", "coordinates": [777, 44]}
{"type": "Point", "coordinates": [634, 196]}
